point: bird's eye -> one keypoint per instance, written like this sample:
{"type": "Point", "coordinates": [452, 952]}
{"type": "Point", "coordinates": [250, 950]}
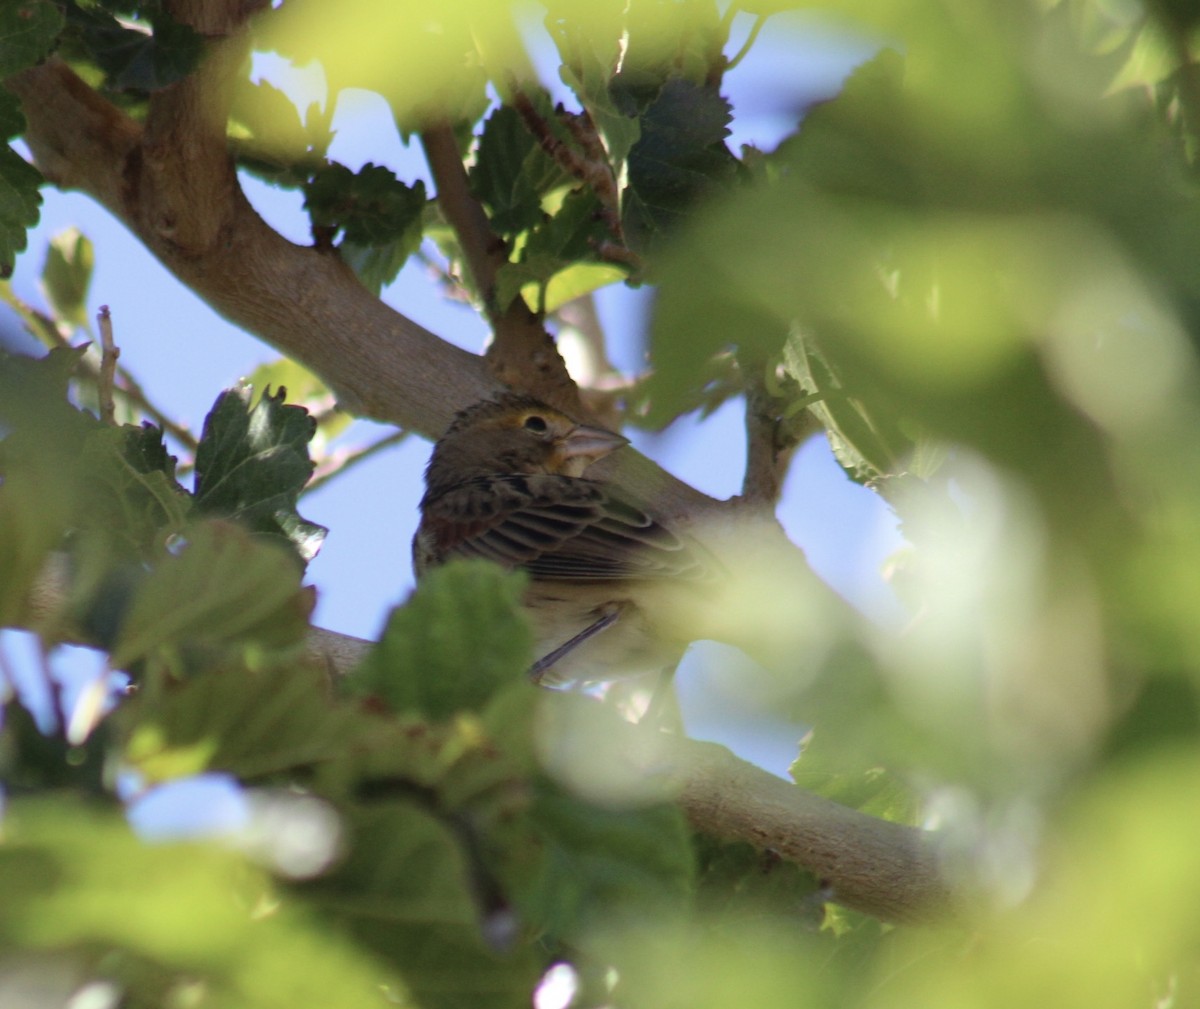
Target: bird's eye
{"type": "Point", "coordinates": [535, 423]}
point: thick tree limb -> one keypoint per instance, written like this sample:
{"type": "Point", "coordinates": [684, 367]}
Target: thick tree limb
{"type": "Point", "coordinates": [188, 210]}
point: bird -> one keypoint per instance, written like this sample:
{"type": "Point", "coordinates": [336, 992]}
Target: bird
{"type": "Point", "coordinates": [507, 482]}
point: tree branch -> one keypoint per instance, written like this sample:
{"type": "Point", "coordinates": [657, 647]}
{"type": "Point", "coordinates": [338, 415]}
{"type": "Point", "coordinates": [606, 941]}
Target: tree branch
{"type": "Point", "coordinates": [522, 354]}
{"type": "Point", "coordinates": [304, 302]}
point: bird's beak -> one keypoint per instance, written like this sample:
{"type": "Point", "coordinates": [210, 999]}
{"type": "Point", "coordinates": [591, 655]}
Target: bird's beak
{"type": "Point", "coordinates": [585, 444]}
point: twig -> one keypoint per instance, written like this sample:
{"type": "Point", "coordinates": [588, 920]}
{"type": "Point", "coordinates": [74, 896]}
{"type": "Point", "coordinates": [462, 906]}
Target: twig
{"type": "Point", "coordinates": [750, 40]}
{"type": "Point", "coordinates": [44, 328]}
{"type": "Point", "coordinates": [339, 464]}
{"type": "Point", "coordinates": [484, 251]}
{"type": "Point", "coordinates": [109, 352]}
{"type": "Point", "coordinates": [591, 167]}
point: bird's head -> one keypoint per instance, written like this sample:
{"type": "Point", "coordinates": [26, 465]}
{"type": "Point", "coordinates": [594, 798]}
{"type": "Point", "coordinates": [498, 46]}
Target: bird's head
{"type": "Point", "coordinates": [514, 433]}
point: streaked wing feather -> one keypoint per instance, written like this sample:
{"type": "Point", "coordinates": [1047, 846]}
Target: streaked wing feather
{"type": "Point", "coordinates": [560, 527]}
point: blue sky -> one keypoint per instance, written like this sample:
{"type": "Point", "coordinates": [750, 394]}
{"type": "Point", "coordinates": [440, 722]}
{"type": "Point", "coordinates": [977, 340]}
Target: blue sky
{"type": "Point", "coordinates": [184, 355]}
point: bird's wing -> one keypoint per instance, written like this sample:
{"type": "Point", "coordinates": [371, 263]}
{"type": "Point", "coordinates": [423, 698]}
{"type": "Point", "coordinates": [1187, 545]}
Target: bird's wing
{"type": "Point", "coordinates": [559, 527]}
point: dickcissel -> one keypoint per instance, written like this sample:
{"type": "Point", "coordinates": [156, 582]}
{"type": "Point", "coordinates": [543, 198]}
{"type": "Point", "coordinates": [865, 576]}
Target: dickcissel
{"type": "Point", "coordinates": [507, 482]}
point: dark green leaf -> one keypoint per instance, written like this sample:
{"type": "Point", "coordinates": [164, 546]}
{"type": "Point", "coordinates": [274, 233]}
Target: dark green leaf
{"type": "Point", "coordinates": [252, 464]}
{"type": "Point", "coordinates": [279, 144]}
{"type": "Point", "coordinates": [133, 498]}
{"type": "Point", "coordinates": [19, 205]}
{"type": "Point", "coordinates": [512, 173]}
{"type": "Point", "coordinates": [737, 885]}
{"type": "Point", "coordinates": [254, 723]}
{"type": "Point", "coordinates": [407, 892]}
{"type": "Point", "coordinates": [453, 645]}
{"type": "Point", "coordinates": [12, 120]}
{"type": "Point", "coordinates": [605, 864]}
{"type": "Point", "coordinates": [370, 206]}
{"type": "Point", "coordinates": [134, 60]}
{"type": "Point", "coordinates": [223, 589]}
{"type": "Point", "coordinates": [679, 160]}
{"type": "Point", "coordinates": [67, 275]}
{"type": "Point", "coordinates": [28, 29]}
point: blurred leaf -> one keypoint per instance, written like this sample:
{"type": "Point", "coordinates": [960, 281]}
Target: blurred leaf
{"type": "Point", "coordinates": [252, 464]}
{"type": "Point", "coordinates": [33, 761]}
{"type": "Point", "coordinates": [272, 138]}
{"type": "Point", "coordinates": [67, 275]}
{"type": "Point", "coordinates": [602, 865]}
{"type": "Point", "coordinates": [28, 29]}
{"type": "Point", "coordinates": [425, 61]}
{"type": "Point", "coordinates": [679, 159]}
{"type": "Point", "coordinates": [224, 588]}
{"type": "Point", "coordinates": [459, 638]}
{"type": "Point", "coordinates": [512, 173]}
{"type": "Point", "coordinates": [39, 489]}
{"type": "Point", "coordinates": [405, 892]}
{"type": "Point", "coordinates": [74, 876]}
{"type": "Point", "coordinates": [737, 886]}
{"type": "Point", "coordinates": [873, 790]}
{"type": "Point", "coordinates": [134, 60]}
{"type": "Point", "coordinates": [276, 719]}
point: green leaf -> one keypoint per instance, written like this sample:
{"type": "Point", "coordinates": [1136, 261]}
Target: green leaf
{"type": "Point", "coordinates": [407, 891]}
{"type": "Point", "coordinates": [556, 244]}
{"type": "Point", "coordinates": [223, 589]}
{"type": "Point", "coordinates": [453, 645]}
{"type": "Point", "coordinates": [512, 173]}
{"type": "Point", "coordinates": [133, 498]}
{"type": "Point", "coordinates": [857, 439]}
{"type": "Point", "coordinates": [28, 29]}
{"type": "Point", "coordinates": [605, 865]}
{"type": "Point", "coordinates": [167, 918]}
{"type": "Point", "coordinates": [250, 722]}
{"type": "Point", "coordinates": [378, 265]}
{"type": "Point", "coordinates": [738, 885]}
{"type": "Point", "coordinates": [873, 790]}
{"type": "Point", "coordinates": [273, 139]}
{"type": "Point", "coordinates": [134, 60]}
{"type": "Point", "coordinates": [19, 205]}
{"type": "Point", "coordinates": [67, 275]}
{"type": "Point", "coordinates": [252, 464]}
{"type": "Point", "coordinates": [370, 206]}
{"type": "Point", "coordinates": [679, 160]}
{"type": "Point", "coordinates": [589, 42]}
